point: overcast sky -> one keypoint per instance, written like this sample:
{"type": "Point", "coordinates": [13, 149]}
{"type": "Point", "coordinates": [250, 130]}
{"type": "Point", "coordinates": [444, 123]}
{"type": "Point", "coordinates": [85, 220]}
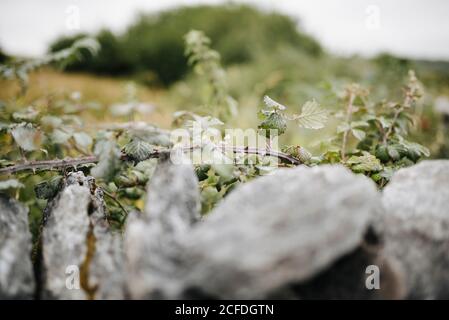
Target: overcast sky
{"type": "Point", "coordinates": [413, 28]}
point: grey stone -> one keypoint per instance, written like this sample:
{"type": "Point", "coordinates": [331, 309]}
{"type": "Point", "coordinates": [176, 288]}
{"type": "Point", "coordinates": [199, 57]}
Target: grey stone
{"type": "Point", "coordinates": [106, 271]}
{"type": "Point", "coordinates": [172, 206]}
{"type": "Point", "coordinates": [79, 245]}
{"type": "Point", "coordinates": [269, 238]}
{"type": "Point", "coordinates": [416, 227]}
{"type": "Point", "coordinates": [16, 271]}
{"type": "Point", "coordinates": [280, 230]}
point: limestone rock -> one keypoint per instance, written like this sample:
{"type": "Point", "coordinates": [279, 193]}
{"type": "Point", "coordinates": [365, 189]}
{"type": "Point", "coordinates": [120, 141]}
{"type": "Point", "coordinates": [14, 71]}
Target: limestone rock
{"type": "Point", "coordinates": [416, 227]}
{"type": "Point", "coordinates": [16, 271]}
{"type": "Point", "coordinates": [81, 257]}
{"type": "Point", "coordinates": [269, 238]}
{"type": "Point", "coordinates": [280, 230]}
{"type": "Point", "coordinates": [172, 206]}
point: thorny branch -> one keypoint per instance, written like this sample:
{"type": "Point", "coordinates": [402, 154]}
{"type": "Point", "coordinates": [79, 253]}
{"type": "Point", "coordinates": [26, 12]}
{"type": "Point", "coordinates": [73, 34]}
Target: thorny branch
{"type": "Point", "coordinates": [74, 162]}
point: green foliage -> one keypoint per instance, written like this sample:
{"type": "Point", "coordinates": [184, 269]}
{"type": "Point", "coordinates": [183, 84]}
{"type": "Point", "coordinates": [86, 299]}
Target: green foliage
{"type": "Point", "coordinates": [312, 116]}
{"type": "Point", "coordinates": [19, 70]}
{"type": "Point", "coordinates": [206, 62]}
{"type": "Point", "coordinates": [108, 153]}
{"type": "Point", "coordinates": [26, 136]}
{"type": "Point", "coordinates": [3, 56]}
{"type": "Point", "coordinates": [111, 59]}
{"type": "Point", "coordinates": [155, 41]}
{"type": "Point", "coordinates": [138, 149]}
{"type": "Point", "coordinates": [371, 139]}
{"type": "Point", "coordinates": [48, 189]}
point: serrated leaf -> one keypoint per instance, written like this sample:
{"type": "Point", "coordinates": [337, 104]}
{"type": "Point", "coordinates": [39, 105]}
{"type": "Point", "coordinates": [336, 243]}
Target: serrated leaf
{"type": "Point", "coordinates": [49, 188]}
{"type": "Point", "coordinates": [365, 163]}
{"type": "Point", "coordinates": [10, 184]}
{"type": "Point", "coordinates": [415, 147]}
{"type": "Point", "coordinates": [312, 116]}
{"type": "Point", "coordinates": [274, 122]}
{"type": "Point", "coordinates": [138, 149]}
{"type": "Point", "coordinates": [270, 103]}
{"type": "Point", "coordinates": [27, 137]}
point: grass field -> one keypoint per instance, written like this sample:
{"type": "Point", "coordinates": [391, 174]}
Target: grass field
{"type": "Point", "coordinates": [48, 83]}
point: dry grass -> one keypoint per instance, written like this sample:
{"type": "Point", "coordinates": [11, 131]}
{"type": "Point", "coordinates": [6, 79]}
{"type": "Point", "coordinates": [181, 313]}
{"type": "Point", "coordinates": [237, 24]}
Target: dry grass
{"type": "Point", "coordinates": [47, 83]}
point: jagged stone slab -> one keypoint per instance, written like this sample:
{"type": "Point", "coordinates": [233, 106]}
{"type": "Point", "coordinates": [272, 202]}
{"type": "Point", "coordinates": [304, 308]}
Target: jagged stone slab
{"type": "Point", "coordinates": [267, 235]}
{"type": "Point", "coordinates": [77, 236]}
{"type": "Point", "coordinates": [279, 230]}
{"type": "Point", "coordinates": [416, 227]}
{"type": "Point", "coordinates": [16, 272]}
{"type": "Point", "coordinates": [172, 207]}
{"type": "Point", "coordinates": [64, 243]}
{"type": "Point", "coordinates": [106, 272]}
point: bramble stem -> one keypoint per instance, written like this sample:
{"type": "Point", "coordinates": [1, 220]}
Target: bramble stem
{"type": "Point", "coordinates": [390, 129]}
{"type": "Point", "coordinates": [73, 162]}
{"type": "Point", "coordinates": [114, 198]}
{"type": "Point", "coordinates": [348, 120]}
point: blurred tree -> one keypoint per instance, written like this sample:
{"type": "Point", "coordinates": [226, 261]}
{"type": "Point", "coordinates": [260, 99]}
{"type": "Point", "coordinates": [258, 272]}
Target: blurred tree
{"type": "Point", "coordinates": [3, 56]}
{"type": "Point", "coordinates": [155, 41]}
{"type": "Point", "coordinates": [110, 59]}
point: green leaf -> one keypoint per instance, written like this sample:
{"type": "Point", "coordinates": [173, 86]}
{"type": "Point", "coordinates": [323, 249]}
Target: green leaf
{"type": "Point", "coordinates": [138, 149]}
{"type": "Point", "coordinates": [51, 122]}
{"type": "Point", "coordinates": [83, 140]}
{"type": "Point", "coordinates": [109, 159]}
{"type": "Point", "coordinates": [273, 105]}
{"type": "Point", "coordinates": [10, 184]}
{"type": "Point", "coordinates": [312, 116]}
{"type": "Point", "coordinates": [415, 148]}
{"type": "Point", "coordinates": [146, 167]}
{"type": "Point", "coordinates": [343, 127]}
{"type": "Point", "coordinates": [153, 136]}
{"type": "Point", "coordinates": [30, 114]}
{"type": "Point", "coordinates": [393, 153]}
{"type": "Point", "coordinates": [274, 121]}
{"type": "Point", "coordinates": [60, 136]}
{"type": "Point", "coordinates": [359, 134]}
{"type": "Point", "coordinates": [48, 189]}
{"type": "Point", "coordinates": [27, 137]}
{"type": "Point", "coordinates": [382, 153]}
{"type": "Point", "coordinates": [385, 123]}
{"type": "Point", "coordinates": [364, 163]}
